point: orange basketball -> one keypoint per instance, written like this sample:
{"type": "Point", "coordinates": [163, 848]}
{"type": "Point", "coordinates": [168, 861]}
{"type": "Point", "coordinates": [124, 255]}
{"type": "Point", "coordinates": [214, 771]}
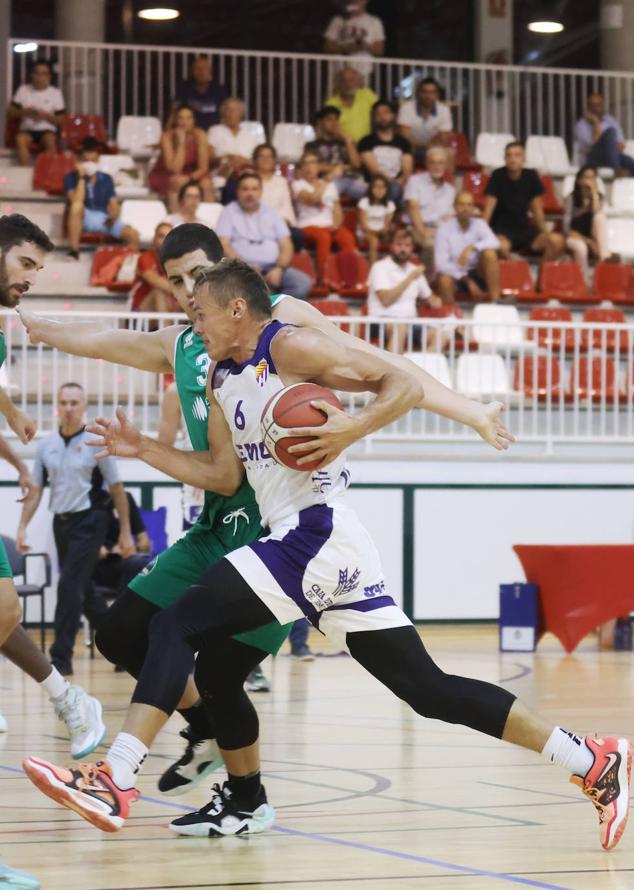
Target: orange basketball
{"type": "Point", "coordinates": [288, 409]}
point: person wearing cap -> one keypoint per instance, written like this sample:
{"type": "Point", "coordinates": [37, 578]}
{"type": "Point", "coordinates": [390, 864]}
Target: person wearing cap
{"type": "Point", "coordinates": [92, 202]}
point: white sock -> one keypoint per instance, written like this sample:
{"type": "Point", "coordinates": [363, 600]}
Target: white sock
{"type": "Point", "coordinates": [55, 684]}
{"type": "Point", "coordinates": [126, 756]}
{"type": "Point", "coordinates": [569, 751]}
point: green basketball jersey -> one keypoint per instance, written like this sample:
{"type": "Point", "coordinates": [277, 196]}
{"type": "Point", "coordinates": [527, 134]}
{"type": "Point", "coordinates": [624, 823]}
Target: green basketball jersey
{"type": "Point", "coordinates": [3, 349]}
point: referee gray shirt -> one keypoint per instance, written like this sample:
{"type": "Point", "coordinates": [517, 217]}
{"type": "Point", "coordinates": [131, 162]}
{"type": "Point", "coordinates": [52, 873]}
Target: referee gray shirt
{"type": "Point", "coordinates": [77, 479]}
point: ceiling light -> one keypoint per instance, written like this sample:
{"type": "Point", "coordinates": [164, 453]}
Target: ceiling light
{"type": "Point", "coordinates": [25, 47]}
{"type": "Point", "coordinates": [545, 27]}
{"type": "Point", "coordinates": [159, 14]}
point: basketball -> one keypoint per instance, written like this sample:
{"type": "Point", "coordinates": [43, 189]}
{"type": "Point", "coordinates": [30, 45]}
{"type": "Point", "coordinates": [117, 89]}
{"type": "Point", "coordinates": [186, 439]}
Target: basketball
{"type": "Point", "coordinates": [288, 409]}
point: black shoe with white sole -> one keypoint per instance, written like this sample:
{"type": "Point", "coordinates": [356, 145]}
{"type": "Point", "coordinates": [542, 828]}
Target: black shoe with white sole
{"type": "Point", "coordinates": [201, 757]}
{"type": "Point", "coordinates": [225, 815]}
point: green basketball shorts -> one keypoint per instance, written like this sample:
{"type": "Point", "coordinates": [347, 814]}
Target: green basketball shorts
{"type": "Point", "coordinates": [5, 568]}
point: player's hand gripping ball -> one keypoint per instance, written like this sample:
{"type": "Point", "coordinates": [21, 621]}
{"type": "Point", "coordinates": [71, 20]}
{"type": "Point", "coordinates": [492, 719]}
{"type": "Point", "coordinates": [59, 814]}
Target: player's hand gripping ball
{"type": "Point", "coordinates": [291, 408]}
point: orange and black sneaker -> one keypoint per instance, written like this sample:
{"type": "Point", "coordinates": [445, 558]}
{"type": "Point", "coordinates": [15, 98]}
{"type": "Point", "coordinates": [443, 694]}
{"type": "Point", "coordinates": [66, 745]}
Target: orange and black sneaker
{"type": "Point", "coordinates": [607, 784]}
{"type": "Point", "coordinates": [88, 789]}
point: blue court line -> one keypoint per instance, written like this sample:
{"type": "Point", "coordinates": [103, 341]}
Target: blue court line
{"type": "Point", "coordinates": [395, 854]}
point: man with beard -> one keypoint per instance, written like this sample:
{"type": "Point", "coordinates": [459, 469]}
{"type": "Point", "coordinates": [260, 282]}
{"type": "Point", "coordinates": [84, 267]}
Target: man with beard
{"type": "Point", "coordinates": [385, 151]}
{"type": "Point", "coordinates": [23, 250]}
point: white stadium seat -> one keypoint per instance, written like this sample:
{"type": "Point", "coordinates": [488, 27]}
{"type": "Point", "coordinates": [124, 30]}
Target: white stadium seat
{"type": "Point", "coordinates": [498, 327]}
{"type": "Point", "coordinates": [621, 236]}
{"type": "Point", "coordinates": [139, 136]}
{"type": "Point", "coordinates": [622, 201]}
{"type": "Point", "coordinates": [569, 185]}
{"type": "Point", "coordinates": [257, 128]}
{"type": "Point", "coordinates": [549, 155]}
{"type": "Point", "coordinates": [435, 363]}
{"type": "Point", "coordinates": [208, 213]}
{"type": "Point", "coordinates": [490, 148]}
{"type": "Point", "coordinates": [289, 140]}
{"type": "Point", "coordinates": [482, 376]}
{"type": "Point", "coordinates": [144, 216]}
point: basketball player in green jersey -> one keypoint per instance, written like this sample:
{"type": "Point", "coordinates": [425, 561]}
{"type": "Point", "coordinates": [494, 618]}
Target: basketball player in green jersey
{"type": "Point", "coordinates": [225, 523]}
{"type": "Point", "coordinates": [23, 251]}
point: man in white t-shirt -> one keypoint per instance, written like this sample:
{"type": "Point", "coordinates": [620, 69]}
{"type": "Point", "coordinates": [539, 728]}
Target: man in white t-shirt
{"type": "Point", "coordinates": [233, 143]}
{"type": "Point", "coordinates": [355, 33]}
{"type": "Point", "coordinates": [39, 107]}
{"type": "Point", "coordinates": [395, 287]}
{"type": "Point", "coordinates": [424, 120]}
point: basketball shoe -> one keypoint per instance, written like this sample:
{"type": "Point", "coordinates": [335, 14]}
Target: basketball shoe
{"type": "Point", "coordinates": [257, 682]}
{"type": "Point", "coordinates": [223, 815]}
{"type": "Point", "coordinates": [18, 880]}
{"type": "Point", "coordinates": [607, 785]}
{"type": "Point", "coordinates": [82, 715]}
{"type": "Point", "coordinates": [88, 789]}
{"type": "Point", "coordinates": [201, 757]}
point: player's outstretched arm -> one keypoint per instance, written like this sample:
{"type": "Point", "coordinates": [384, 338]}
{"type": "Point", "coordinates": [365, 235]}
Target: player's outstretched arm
{"type": "Point", "coordinates": [147, 351]}
{"type": "Point", "coordinates": [484, 418]}
{"type": "Point", "coordinates": [302, 354]}
{"type": "Point", "coordinates": [218, 470]}
{"type": "Point", "coordinates": [20, 423]}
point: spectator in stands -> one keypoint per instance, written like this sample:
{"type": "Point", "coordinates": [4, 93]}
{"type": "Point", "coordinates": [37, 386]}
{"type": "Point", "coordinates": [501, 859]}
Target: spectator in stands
{"type": "Point", "coordinates": [92, 202]}
{"type": "Point", "coordinates": [232, 141]}
{"type": "Point", "coordinates": [430, 201]}
{"type": "Point", "coordinates": [319, 212]}
{"type": "Point", "coordinates": [113, 570]}
{"type": "Point", "coordinates": [511, 194]}
{"type": "Point", "coordinates": [585, 223]}
{"type": "Point", "coordinates": [425, 121]}
{"type": "Point", "coordinates": [150, 291]}
{"type": "Point", "coordinates": [184, 158]}
{"type": "Point", "coordinates": [355, 102]}
{"type": "Point", "coordinates": [376, 213]}
{"type": "Point", "coordinates": [384, 151]}
{"type": "Point", "coordinates": [465, 256]}
{"type": "Point", "coordinates": [276, 192]}
{"type": "Point", "coordinates": [396, 286]}
{"type": "Point", "coordinates": [39, 107]}
{"type": "Point", "coordinates": [599, 139]}
{"type": "Point", "coordinates": [255, 232]}
{"type": "Point", "coordinates": [339, 160]}
{"type": "Point", "coordinates": [201, 93]}
{"type": "Point", "coordinates": [354, 32]}
{"type": "Point", "coordinates": [190, 197]}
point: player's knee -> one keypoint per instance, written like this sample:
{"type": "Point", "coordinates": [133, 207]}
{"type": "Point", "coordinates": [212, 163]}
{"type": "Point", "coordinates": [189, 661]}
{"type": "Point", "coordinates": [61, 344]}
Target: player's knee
{"type": "Point", "coordinates": [108, 640]}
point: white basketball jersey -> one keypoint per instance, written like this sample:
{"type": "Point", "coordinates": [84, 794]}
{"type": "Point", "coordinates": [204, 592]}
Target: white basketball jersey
{"type": "Point", "coordinates": [243, 391]}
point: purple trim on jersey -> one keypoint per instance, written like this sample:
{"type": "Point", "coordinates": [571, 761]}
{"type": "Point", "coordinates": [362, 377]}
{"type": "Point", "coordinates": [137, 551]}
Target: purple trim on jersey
{"type": "Point", "coordinates": [369, 605]}
{"type": "Point", "coordinates": [262, 351]}
{"type": "Point", "coordinates": [287, 560]}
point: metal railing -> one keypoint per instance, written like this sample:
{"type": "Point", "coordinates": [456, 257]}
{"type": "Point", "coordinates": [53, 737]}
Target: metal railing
{"type": "Point", "coordinates": [562, 382]}
{"type": "Point", "coordinates": [116, 79]}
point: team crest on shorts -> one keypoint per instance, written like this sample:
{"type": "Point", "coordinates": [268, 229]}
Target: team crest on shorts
{"type": "Point", "coordinates": [262, 371]}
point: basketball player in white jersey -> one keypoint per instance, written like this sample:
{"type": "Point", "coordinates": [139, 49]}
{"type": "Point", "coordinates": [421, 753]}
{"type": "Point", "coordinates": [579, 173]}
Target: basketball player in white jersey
{"type": "Point", "coordinates": [317, 561]}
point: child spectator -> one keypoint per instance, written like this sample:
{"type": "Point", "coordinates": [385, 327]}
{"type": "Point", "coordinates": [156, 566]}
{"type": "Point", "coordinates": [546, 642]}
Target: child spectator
{"type": "Point", "coordinates": [376, 213]}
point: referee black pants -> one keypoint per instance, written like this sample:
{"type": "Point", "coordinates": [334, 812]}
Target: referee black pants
{"type": "Point", "coordinates": [78, 538]}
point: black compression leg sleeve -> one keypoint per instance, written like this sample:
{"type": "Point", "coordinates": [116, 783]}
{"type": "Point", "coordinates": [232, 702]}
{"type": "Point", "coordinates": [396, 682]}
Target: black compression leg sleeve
{"type": "Point", "coordinates": [122, 637]}
{"type": "Point", "coordinates": [219, 605]}
{"type": "Point", "coordinates": [398, 658]}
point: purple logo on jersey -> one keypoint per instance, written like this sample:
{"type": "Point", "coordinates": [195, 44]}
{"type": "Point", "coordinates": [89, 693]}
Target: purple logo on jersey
{"type": "Point", "coordinates": [253, 451]}
{"type": "Point", "coordinates": [347, 582]}
{"type": "Point", "coordinates": [374, 589]}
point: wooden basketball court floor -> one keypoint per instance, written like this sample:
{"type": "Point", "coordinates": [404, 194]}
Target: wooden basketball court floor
{"type": "Point", "coordinates": [368, 795]}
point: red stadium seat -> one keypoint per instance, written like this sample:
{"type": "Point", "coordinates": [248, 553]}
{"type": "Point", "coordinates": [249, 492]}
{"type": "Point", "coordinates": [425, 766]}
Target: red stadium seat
{"type": "Point", "coordinates": [427, 311]}
{"type": "Point", "coordinates": [347, 273]}
{"type": "Point", "coordinates": [615, 282]}
{"type": "Point", "coordinates": [593, 378]}
{"type": "Point", "coordinates": [605, 339]}
{"type": "Point", "coordinates": [463, 160]}
{"type": "Point", "coordinates": [516, 280]}
{"type": "Point", "coordinates": [105, 267]}
{"type": "Point", "coordinates": [550, 200]}
{"type": "Point", "coordinates": [49, 172]}
{"type": "Point", "coordinates": [552, 336]}
{"type": "Point", "coordinates": [538, 377]}
{"type": "Point", "coordinates": [333, 307]}
{"type": "Point", "coordinates": [304, 262]}
{"type": "Point", "coordinates": [564, 281]}
{"type": "Point", "coordinates": [475, 183]}
{"type": "Point", "coordinates": [76, 127]}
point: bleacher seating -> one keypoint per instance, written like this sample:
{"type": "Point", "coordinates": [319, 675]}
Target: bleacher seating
{"type": "Point", "coordinates": [106, 264]}
{"type": "Point", "coordinates": [538, 377]}
{"type": "Point", "coordinates": [622, 199]}
{"type": "Point", "coordinates": [490, 148]}
{"type": "Point", "coordinates": [516, 281]}
{"type": "Point", "coordinates": [475, 182]}
{"type": "Point", "coordinates": [552, 337]}
{"type": "Point", "coordinates": [593, 378]}
{"type": "Point", "coordinates": [549, 155]}
{"type": "Point", "coordinates": [138, 135]}
{"type": "Point", "coordinates": [144, 216]}
{"type": "Point", "coordinates": [482, 376]}
{"type": "Point", "coordinates": [77, 127]}
{"type": "Point", "coordinates": [462, 153]}
{"type": "Point", "coordinates": [289, 140]}
{"type": "Point", "coordinates": [605, 339]}
{"type": "Point", "coordinates": [621, 236]}
{"type": "Point", "coordinates": [615, 282]}
{"type": "Point", "coordinates": [498, 327]}
{"type": "Point", "coordinates": [49, 172]}
{"type": "Point", "coordinates": [550, 201]}
{"type": "Point", "coordinates": [208, 213]}
{"type": "Point", "coordinates": [347, 273]}
{"type": "Point", "coordinates": [435, 363]}
{"type": "Point", "coordinates": [564, 282]}
{"type": "Point", "coordinates": [304, 262]}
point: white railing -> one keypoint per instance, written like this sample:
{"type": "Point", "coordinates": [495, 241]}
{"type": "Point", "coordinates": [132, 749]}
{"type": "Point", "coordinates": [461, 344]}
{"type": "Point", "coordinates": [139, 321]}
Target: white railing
{"type": "Point", "coordinates": [115, 79]}
{"type": "Point", "coordinates": [562, 382]}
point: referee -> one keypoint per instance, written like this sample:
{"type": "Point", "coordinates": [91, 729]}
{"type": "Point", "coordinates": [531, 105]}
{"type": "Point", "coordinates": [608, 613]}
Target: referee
{"type": "Point", "coordinates": [83, 490]}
